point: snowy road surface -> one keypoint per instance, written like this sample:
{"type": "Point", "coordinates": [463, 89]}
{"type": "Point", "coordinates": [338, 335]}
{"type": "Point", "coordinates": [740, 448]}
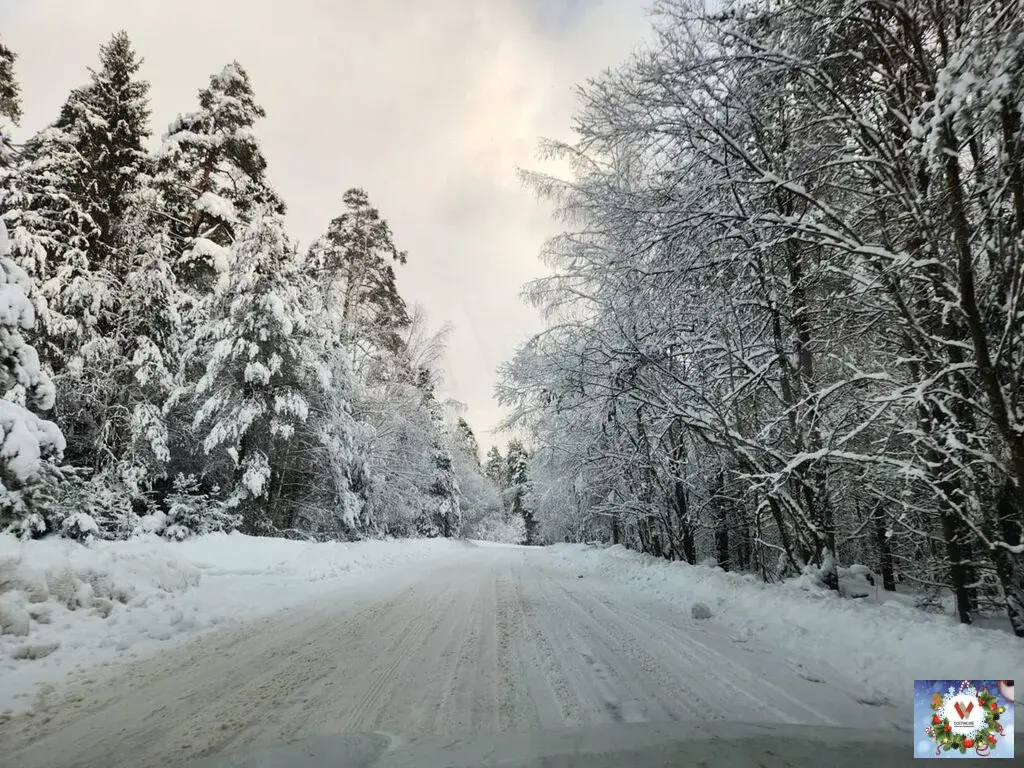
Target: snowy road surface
{"type": "Point", "coordinates": [494, 639]}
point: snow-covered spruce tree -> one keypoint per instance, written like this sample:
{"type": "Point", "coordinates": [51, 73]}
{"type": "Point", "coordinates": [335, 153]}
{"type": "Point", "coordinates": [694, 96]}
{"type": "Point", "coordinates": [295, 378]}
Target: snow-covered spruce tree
{"type": "Point", "coordinates": [211, 176]}
{"type": "Point", "coordinates": [465, 440]}
{"type": "Point", "coordinates": [142, 353]}
{"type": "Point", "coordinates": [67, 206]}
{"type": "Point", "coordinates": [28, 444]}
{"type": "Point", "coordinates": [378, 431]}
{"type": "Point", "coordinates": [517, 485]}
{"type": "Point", "coordinates": [10, 106]}
{"type": "Point", "coordinates": [443, 512]}
{"type": "Point", "coordinates": [494, 467]}
{"type": "Point", "coordinates": [212, 173]}
{"type": "Point", "coordinates": [253, 395]}
{"type": "Point", "coordinates": [50, 231]}
{"type": "Point", "coordinates": [109, 118]}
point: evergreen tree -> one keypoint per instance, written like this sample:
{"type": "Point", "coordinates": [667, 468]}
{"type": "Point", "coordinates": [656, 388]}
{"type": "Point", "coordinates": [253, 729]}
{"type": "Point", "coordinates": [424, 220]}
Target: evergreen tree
{"type": "Point", "coordinates": [108, 119]}
{"type": "Point", "coordinates": [252, 397]}
{"type": "Point", "coordinates": [28, 443]}
{"type": "Point", "coordinates": [212, 174]}
{"type": "Point", "coordinates": [353, 262]}
{"type": "Point", "coordinates": [51, 231]}
{"type": "Point", "coordinates": [149, 337]}
{"type": "Point", "coordinates": [494, 467]}
{"type": "Point", "coordinates": [69, 204]}
{"type": "Point", "coordinates": [465, 440]}
{"type": "Point", "coordinates": [10, 104]}
{"type": "Point", "coordinates": [443, 515]}
{"type": "Point", "coordinates": [517, 485]}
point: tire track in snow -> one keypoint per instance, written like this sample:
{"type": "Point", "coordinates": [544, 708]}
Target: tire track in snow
{"type": "Point", "coordinates": [531, 698]}
{"type": "Point", "coordinates": [412, 632]}
{"type": "Point", "coordinates": [621, 678]}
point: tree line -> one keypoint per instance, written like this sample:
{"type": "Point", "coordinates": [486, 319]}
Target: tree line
{"type": "Point", "coordinates": [785, 320]}
{"type": "Point", "coordinates": [174, 363]}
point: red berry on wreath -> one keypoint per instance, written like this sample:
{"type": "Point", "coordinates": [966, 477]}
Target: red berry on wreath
{"type": "Point", "coordinates": [936, 719]}
{"type": "Point", "coordinates": [992, 738]}
{"type": "Point", "coordinates": [968, 743]}
{"type": "Point", "coordinates": [949, 728]}
{"type": "Point", "coordinates": [994, 705]}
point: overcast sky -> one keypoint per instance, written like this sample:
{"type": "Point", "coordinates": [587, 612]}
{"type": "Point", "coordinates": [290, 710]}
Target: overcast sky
{"type": "Point", "coordinates": [430, 105]}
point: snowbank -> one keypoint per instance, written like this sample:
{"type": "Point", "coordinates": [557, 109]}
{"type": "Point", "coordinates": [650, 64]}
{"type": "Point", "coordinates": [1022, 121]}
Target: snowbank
{"type": "Point", "coordinates": [67, 606]}
{"type": "Point", "coordinates": [883, 646]}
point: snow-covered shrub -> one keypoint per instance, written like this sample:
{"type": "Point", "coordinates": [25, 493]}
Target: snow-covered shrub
{"type": "Point", "coordinates": [193, 512]}
{"type": "Point", "coordinates": [79, 526]}
{"type": "Point", "coordinates": [99, 505]}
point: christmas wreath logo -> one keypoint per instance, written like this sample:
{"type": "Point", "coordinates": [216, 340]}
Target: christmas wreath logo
{"type": "Point", "coordinates": [965, 718]}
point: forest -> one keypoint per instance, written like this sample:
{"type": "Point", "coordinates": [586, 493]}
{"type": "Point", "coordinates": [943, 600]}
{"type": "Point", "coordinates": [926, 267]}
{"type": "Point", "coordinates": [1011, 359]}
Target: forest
{"type": "Point", "coordinates": [784, 320]}
{"type": "Point", "coordinates": [173, 363]}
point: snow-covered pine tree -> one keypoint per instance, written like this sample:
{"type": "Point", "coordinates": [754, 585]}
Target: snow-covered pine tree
{"type": "Point", "coordinates": [253, 395]}
{"type": "Point", "coordinates": [212, 173]}
{"type": "Point", "coordinates": [353, 262]}
{"type": "Point", "coordinates": [28, 443]}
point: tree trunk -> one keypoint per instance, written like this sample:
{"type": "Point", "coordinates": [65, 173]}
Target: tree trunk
{"type": "Point", "coordinates": [1009, 568]}
{"type": "Point", "coordinates": [953, 534]}
{"type": "Point", "coordinates": [884, 547]}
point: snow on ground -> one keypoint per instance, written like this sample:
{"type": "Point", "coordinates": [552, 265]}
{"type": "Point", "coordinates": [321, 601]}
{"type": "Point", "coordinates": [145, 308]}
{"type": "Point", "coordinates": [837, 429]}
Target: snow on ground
{"type": "Point", "coordinates": [883, 645]}
{"type": "Point", "coordinates": [65, 606]}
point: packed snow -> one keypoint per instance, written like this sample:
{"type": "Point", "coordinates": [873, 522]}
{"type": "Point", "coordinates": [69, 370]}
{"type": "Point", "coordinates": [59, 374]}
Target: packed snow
{"type": "Point", "coordinates": [883, 645]}
{"type": "Point", "coordinates": [65, 606]}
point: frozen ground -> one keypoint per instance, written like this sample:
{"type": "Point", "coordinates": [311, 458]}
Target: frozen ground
{"type": "Point", "coordinates": [81, 607]}
{"type": "Point", "coordinates": [462, 640]}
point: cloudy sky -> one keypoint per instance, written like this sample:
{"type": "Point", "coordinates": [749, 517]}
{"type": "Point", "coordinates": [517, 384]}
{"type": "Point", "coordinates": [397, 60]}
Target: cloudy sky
{"type": "Point", "coordinates": [430, 105]}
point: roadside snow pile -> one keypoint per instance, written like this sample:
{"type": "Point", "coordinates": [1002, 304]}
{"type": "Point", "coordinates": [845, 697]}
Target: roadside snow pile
{"type": "Point", "coordinates": [65, 605]}
{"type": "Point", "coordinates": [884, 646]}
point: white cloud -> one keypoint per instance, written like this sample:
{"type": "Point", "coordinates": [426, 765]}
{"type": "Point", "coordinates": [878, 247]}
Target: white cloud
{"type": "Point", "coordinates": [428, 104]}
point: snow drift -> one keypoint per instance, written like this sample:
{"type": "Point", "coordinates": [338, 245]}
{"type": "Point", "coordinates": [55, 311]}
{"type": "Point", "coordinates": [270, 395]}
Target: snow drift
{"type": "Point", "coordinates": [884, 646]}
{"type": "Point", "coordinates": [66, 605]}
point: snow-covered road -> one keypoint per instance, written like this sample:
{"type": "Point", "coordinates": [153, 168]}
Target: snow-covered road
{"type": "Point", "coordinates": [493, 639]}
